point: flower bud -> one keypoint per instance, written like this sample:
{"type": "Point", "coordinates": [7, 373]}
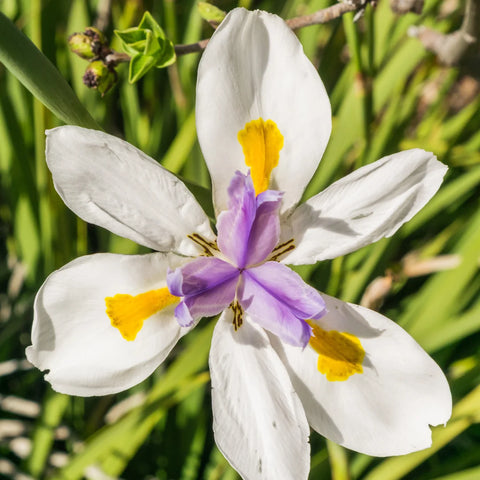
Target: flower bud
{"type": "Point", "coordinates": [99, 76]}
{"type": "Point", "coordinates": [210, 12]}
{"type": "Point", "coordinates": [88, 44]}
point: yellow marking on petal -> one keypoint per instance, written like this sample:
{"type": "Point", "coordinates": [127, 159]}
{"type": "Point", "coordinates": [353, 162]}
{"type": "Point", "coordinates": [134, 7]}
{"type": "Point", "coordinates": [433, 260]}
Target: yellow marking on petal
{"type": "Point", "coordinates": [127, 312]}
{"type": "Point", "coordinates": [340, 354]}
{"type": "Point", "coordinates": [261, 143]}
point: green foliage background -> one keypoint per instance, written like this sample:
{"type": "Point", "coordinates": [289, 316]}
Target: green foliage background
{"type": "Point", "coordinates": [165, 429]}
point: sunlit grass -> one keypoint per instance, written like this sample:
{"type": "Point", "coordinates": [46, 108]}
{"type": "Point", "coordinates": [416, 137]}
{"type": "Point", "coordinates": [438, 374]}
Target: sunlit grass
{"type": "Point", "coordinates": [162, 428]}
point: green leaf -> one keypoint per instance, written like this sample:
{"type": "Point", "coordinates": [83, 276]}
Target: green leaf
{"type": "Point", "coordinates": [133, 39]}
{"type": "Point", "coordinates": [470, 474]}
{"type": "Point", "coordinates": [40, 77]}
{"type": "Point", "coordinates": [54, 407]}
{"type": "Point", "coordinates": [148, 22]}
{"type": "Point", "coordinates": [210, 12]}
{"type": "Point", "coordinates": [139, 66]}
{"type": "Point", "coordinates": [145, 38]}
{"type": "Point", "coordinates": [139, 41]}
{"type": "Point", "coordinates": [148, 46]}
{"type": "Point", "coordinates": [167, 55]}
{"type": "Point", "coordinates": [152, 45]}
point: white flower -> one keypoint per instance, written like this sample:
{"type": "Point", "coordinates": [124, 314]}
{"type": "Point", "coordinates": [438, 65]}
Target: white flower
{"type": "Point", "coordinates": [104, 322]}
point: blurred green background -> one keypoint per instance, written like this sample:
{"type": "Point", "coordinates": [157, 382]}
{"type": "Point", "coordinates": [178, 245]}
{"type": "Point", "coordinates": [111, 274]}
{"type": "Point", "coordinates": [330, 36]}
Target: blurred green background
{"type": "Point", "coordinates": [387, 92]}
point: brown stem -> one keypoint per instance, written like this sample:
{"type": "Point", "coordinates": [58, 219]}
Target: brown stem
{"type": "Point", "coordinates": [325, 15]}
{"type": "Point", "coordinates": [404, 6]}
{"type": "Point", "coordinates": [191, 47]}
{"type": "Point", "coordinates": [413, 266]}
{"type": "Point", "coordinates": [114, 58]}
{"type": "Point", "coordinates": [377, 291]}
{"type": "Point", "coordinates": [451, 48]}
{"type": "Point", "coordinates": [103, 14]}
{"type": "Point", "coordinates": [320, 16]}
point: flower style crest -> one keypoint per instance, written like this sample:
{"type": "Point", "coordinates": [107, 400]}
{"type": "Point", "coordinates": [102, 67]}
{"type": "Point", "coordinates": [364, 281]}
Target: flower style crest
{"type": "Point", "coordinates": [283, 356]}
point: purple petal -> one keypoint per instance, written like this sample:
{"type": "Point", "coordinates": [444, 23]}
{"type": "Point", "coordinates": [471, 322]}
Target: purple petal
{"type": "Point", "coordinates": [272, 314]}
{"type": "Point", "coordinates": [208, 286]}
{"type": "Point", "coordinates": [210, 302]}
{"type": "Point", "coordinates": [183, 316]}
{"type": "Point", "coordinates": [280, 301]}
{"type": "Point", "coordinates": [265, 230]}
{"type": "Point", "coordinates": [201, 274]}
{"type": "Point", "coordinates": [234, 224]}
{"type": "Point", "coordinates": [289, 288]}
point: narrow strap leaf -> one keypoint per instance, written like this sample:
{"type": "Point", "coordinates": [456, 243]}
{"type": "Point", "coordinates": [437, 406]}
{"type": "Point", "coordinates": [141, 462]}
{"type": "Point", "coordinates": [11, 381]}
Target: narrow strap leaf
{"type": "Point", "coordinates": [33, 69]}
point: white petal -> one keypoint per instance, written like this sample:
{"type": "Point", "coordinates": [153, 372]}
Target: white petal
{"type": "Point", "coordinates": [370, 203]}
{"type": "Point", "coordinates": [108, 182]}
{"type": "Point", "coordinates": [254, 66]}
{"type": "Point", "coordinates": [72, 335]}
{"type": "Point", "coordinates": [387, 409]}
{"type": "Point", "coordinates": [258, 421]}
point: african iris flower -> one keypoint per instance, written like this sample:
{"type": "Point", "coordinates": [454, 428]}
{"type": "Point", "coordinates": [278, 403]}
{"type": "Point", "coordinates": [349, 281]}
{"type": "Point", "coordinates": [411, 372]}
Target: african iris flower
{"type": "Point", "coordinates": [283, 356]}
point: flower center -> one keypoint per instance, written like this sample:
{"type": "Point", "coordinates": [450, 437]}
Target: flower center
{"type": "Point", "coordinates": [261, 142]}
{"type": "Point", "coordinates": [239, 271]}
